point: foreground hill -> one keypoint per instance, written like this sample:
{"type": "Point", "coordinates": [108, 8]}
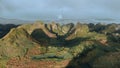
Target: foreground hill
{"type": "Point", "coordinates": [52, 45]}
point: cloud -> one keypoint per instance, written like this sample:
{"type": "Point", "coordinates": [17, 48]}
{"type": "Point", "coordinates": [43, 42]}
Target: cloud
{"type": "Point", "coordinates": [50, 9]}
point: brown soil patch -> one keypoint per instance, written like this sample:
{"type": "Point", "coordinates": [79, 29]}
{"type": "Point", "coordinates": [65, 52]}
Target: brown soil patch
{"type": "Point", "coordinates": [27, 63]}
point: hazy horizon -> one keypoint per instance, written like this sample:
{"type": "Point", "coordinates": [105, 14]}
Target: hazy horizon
{"type": "Point", "coordinates": [59, 9]}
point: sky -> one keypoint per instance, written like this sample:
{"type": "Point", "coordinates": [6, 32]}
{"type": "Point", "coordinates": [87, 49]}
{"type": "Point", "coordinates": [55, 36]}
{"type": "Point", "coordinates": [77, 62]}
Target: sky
{"type": "Point", "coordinates": [59, 9]}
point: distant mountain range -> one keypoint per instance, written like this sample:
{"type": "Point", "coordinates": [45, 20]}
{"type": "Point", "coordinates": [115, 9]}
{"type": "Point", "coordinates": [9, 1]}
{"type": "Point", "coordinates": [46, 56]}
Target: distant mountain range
{"type": "Point", "coordinates": [91, 20]}
{"type": "Point", "coordinates": [12, 21]}
{"type": "Point", "coordinates": [63, 21]}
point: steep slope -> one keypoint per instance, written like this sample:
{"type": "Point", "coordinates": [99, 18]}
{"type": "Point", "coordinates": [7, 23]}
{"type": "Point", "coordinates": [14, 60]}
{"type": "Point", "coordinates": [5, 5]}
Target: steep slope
{"type": "Point", "coordinates": [16, 43]}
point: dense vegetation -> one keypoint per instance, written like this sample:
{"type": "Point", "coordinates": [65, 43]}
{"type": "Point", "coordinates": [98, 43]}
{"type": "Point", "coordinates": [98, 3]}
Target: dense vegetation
{"type": "Point", "coordinates": [58, 46]}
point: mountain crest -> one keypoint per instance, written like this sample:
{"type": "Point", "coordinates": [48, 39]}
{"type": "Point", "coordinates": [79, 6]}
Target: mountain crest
{"type": "Point", "coordinates": [17, 33]}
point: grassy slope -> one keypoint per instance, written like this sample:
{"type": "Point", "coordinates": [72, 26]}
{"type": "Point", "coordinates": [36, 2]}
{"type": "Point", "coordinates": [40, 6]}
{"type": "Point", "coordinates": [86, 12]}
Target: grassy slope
{"type": "Point", "coordinates": [19, 43]}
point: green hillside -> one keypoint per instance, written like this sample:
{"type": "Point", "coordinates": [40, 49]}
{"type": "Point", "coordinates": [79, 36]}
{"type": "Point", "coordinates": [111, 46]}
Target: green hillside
{"type": "Point", "coordinates": [41, 45]}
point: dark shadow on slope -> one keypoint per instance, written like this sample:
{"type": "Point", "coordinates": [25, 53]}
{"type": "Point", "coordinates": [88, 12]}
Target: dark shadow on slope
{"type": "Point", "coordinates": [83, 60]}
{"type": "Point", "coordinates": [40, 36]}
{"type": "Point", "coordinates": [112, 37]}
{"type": "Point", "coordinates": [101, 50]}
{"type": "Point", "coordinates": [51, 30]}
{"type": "Point", "coordinates": [76, 63]}
{"type": "Point", "coordinates": [5, 28]}
{"type": "Point", "coordinates": [60, 40]}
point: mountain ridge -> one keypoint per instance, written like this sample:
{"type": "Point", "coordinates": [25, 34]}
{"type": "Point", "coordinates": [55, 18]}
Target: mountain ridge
{"type": "Point", "coordinates": [72, 45]}
{"type": "Point", "coordinates": [13, 21]}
